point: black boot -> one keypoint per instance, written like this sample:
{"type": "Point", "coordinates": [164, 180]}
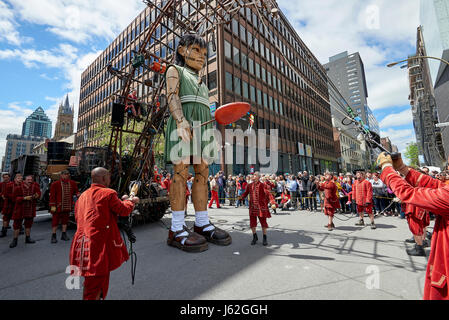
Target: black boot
{"type": "Point", "coordinates": [429, 236]}
{"type": "Point", "coordinates": [3, 232]}
{"type": "Point", "coordinates": [255, 239]}
{"type": "Point", "coordinates": [13, 243]}
{"type": "Point", "coordinates": [28, 240]}
{"type": "Point", "coordinates": [411, 240]}
{"type": "Point", "coordinates": [417, 251]}
{"type": "Point", "coordinates": [64, 237]}
{"type": "Point", "coordinates": [265, 242]}
{"type": "Point", "coordinates": [53, 238]}
{"type": "Point", "coordinates": [360, 223]}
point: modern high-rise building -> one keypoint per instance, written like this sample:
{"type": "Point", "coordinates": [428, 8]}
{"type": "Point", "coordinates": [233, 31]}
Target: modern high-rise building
{"type": "Point", "coordinates": [17, 145]}
{"type": "Point", "coordinates": [424, 110]}
{"type": "Point", "coordinates": [435, 26]}
{"type": "Point", "coordinates": [347, 72]}
{"type": "Point", "coordinates": [37, 125]}
{"type": "Point", "coordinates": [247, 65]}
{"type": "Point", "coordinates": [64, 122]}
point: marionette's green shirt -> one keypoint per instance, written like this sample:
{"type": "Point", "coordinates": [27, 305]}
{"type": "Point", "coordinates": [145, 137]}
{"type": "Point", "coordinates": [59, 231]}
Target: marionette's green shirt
{"type": "Point", "coordinates": [195, 106]}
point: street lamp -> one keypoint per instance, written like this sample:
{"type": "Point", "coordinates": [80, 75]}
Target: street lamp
{"type": "Point", "coordinates": [417, 57]}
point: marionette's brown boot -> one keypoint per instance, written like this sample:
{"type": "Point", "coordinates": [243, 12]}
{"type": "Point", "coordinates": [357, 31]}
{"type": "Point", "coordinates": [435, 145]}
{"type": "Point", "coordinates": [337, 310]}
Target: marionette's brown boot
{"type": "Point", "coordinates": [216, 236]}
{"type": "Point", "coordinates": [193, 242]}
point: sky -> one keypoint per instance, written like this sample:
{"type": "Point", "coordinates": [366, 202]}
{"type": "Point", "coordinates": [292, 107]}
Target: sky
{"type": "Point", "coordinates": [46, 44]}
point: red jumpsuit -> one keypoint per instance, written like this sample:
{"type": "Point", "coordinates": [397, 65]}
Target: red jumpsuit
{"type": "Point", "coordinates": [8, 204]}
{"type": "Point", "coordinates": [260, 197]}
{"type": "Point", "coordinates": [97, 247]}
{"type": "Point", "coordinates": [362, 193]}
{"type": "Point", "coordinates": [331, 201]}
{"type": "Point", "coordinates": [432, 195]}
{"type": "Point", "coordinates": [61, 197]}
{"type": "Point", "coordinates": [24, 209]}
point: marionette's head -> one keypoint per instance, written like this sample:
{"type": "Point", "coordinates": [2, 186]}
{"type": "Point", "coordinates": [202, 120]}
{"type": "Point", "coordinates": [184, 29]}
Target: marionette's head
{"type": "Point", "coordinates": [18, 178]}
{"type": "Point", "coordinates": [191, 52]}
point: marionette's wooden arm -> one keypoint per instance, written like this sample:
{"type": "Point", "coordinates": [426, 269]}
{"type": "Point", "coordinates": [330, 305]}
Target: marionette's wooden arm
{"type": "Point", "coordinates": [175, 106]}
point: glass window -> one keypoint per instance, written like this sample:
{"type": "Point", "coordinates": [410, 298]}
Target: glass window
{"type": "Point", "coordinates": [265, 100]}
{"type": "Point", "coordinates": [235, 27]}
{"type": "Point", "coordinates": [242, 33]}
{"type": "Point", "coordinates": [212, 80]}
{"type": "Point", "coordinates": [257, 70]}
{"type": "Point", "coordinates": [237, 86]}
{"type": "Point", "coordinates": [269, 79]}
{"type": "Point", "coordinates": [262, 50]}
{"type": "Point", "coordinates": [256, 45]}
{"type": "Point", "coordinates": [245, 90]}
{"type": "Point", "coordinates": [275, 81]}
{"type": "Point", "coordinates": [253, 94]}
{"type": "Point", "coordinates": [281, 108]}
{"type": "Point", "coordinates": [271, 104]}
{"type": "Point", "coordinates": [259, 97]}
{"type": "Point", "coordinates": [276, 106]}
{"type": "Point", "coordinates": [264, 75]}
{"type": "Point", "coordinates": [229, 82]}
{"type": "Point", "coordinates": [251, 66]}
{"type": "Point", "coordinates": [228, 51]}
{"type": "Point", "coordinates": [236, 56]}
{"type": "Point", "coordinates": [244, 61]}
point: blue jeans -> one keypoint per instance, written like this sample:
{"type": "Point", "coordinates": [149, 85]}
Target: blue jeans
{"type": "Point", "coordinates": [240, 193]}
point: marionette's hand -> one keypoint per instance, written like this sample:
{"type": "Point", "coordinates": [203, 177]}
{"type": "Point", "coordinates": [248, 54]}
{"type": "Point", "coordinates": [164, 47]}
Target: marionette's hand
{"type": "Point", "coordinates": [53, 209]}
{"type": "Point", "coordinates": [384, 160]}
{"type": "Point", "coordinates": [184, 130]}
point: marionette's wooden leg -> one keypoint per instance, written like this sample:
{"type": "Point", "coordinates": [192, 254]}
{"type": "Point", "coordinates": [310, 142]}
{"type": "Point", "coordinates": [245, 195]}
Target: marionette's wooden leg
{"type": "Point", "coordinates": [177, 193]}
{"type": "Point", "coordinates": [199, 188]}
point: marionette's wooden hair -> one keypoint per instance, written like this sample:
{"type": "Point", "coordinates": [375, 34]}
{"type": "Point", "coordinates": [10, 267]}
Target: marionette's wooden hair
{"type": "Point", "coordinates": [188, 40]}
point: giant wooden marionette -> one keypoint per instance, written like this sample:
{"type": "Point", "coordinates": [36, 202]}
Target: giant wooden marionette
{"type": "Point", "coordinates": [188, 100]}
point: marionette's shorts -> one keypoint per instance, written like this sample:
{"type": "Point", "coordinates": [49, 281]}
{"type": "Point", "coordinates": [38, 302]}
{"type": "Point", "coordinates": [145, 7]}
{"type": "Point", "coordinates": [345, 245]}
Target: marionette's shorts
{"type": "Point", "coordinates": [363, 209]}
{"type": "Point", "coordinates": [329, 212]}
{"type": "Point", "coordinates": [253, 222]}
{"type": "Point", "coordinates": [96, 286]}
{"type": "Point", "coordinates": [18, 223]}
{"type": "Point", "coordinates": [62, 218]}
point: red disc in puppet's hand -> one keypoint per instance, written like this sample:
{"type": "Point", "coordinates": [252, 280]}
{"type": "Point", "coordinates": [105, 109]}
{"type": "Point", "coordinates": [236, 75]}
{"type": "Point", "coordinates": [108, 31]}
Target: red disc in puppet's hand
{"type": "Point", "coordinates": [231, 112]}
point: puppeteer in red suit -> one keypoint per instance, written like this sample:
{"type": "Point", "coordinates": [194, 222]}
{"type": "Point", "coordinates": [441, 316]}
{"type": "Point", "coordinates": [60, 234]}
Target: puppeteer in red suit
{"type": "Point", "coordinates": [429, 194]}
{"type": "Point", "coordinates": [25, 196]}
{"type": "Point", "coordinates": [61, 203]}
{"type": "Point", "coordinates": [7, 204]}
{"type": "Point", "coordinates": [331, 201]}
{"type": "Point", "coordinates": [97, 247]}
{"type": "Point", "coordinates": [259, 200]}
{"type": "Point", "coordinates": [362, 193]}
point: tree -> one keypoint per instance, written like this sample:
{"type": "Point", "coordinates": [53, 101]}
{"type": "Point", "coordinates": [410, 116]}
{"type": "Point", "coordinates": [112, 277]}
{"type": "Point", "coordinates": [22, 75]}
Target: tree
{"type": "Point", "coordinates": [412, 154]}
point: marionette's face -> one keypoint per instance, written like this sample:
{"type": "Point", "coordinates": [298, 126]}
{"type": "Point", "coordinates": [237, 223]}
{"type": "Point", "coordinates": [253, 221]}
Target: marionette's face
{"type": "Point", "coordinates": [194, 56]}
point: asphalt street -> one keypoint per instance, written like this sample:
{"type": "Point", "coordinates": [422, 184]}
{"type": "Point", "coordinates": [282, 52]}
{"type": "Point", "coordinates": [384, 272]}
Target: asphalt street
{"type": "Point", "coordinates": [303, 261]}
